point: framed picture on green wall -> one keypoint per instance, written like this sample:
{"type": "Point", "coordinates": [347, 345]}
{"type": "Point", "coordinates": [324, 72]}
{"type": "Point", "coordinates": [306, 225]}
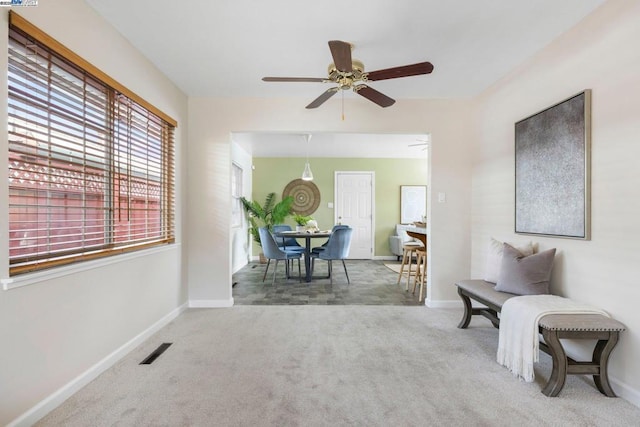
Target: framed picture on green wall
{"type": "Point", "coordinates": [413, 203]}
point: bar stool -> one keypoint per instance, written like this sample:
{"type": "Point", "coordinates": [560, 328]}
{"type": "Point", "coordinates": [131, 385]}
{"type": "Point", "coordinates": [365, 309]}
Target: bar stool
{"type": "Point", "coordinates": [421, 272]}
{"type": "Point", "coordinates": [408, 250]}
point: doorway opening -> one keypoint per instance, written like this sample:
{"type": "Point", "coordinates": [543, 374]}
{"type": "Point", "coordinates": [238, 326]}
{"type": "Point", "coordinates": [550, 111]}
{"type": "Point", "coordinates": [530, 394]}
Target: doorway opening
{"type": "Point", "coordinates": [274, 159]}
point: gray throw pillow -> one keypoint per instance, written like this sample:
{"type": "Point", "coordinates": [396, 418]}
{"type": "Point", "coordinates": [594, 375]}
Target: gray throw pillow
{"type": "Point", "coordinates": [525, 275]}
{"type": "Point", "coordinates": [494, 258]}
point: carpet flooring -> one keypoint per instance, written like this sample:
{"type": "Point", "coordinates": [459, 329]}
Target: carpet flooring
{"type": "Point", "coordinates": [372, 283]}
{"type": "Point", "coordinates": [330, 366]}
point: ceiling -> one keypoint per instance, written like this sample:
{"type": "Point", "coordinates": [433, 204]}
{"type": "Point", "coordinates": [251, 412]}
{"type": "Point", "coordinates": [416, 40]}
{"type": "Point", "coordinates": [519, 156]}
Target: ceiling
{"type": "Point", "coordinates": [327, 144]}
{"type": "Point", "coordinates": [222, 48]}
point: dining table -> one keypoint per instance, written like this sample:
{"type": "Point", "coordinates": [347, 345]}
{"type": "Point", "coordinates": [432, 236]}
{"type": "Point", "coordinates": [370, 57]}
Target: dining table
{"type": "Point", "coordinates": [419, 233]}
{"type": "Point", "coordinates": [307, 236]}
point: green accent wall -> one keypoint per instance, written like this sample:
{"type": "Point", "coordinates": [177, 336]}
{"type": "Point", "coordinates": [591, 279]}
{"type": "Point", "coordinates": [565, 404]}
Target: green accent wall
{"type": "Point", "coordinates": [273, 174]}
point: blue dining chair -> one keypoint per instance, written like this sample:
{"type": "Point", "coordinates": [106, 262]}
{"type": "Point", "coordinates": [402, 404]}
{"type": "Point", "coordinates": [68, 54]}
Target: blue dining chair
{"type": "Point", "coordinates": [337, 248]}
{"type": "Point", "coordinates": [272, 251]}
{"type": "Point", "coordinates": [286, 243]}
{"type": "Point", "coordinates": [319, 249]}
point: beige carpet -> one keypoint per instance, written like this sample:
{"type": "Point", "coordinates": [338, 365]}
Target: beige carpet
{"type": "Point", "coordinates": [330, 366]}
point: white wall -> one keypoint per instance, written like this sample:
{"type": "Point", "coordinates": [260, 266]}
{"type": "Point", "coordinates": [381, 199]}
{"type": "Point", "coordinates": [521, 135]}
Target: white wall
{"type": "Point", "coordinates": [54, 330]}
{"type": "Point", "coordinates": [212, 120]}
{"type": "Point", "coordinates": [602, 54]}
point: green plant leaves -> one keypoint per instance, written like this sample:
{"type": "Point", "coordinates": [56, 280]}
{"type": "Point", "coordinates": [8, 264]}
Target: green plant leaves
{"type": "Point", "coordinates": [266, 215]}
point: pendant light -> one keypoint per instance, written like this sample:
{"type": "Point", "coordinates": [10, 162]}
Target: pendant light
{"type": "Point", "coordinates": [307, 175]}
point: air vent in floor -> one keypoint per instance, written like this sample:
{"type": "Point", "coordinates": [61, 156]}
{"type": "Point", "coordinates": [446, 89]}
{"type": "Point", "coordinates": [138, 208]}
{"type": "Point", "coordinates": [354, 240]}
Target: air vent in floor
{"type": "Point", "coordinates": [155, 354]}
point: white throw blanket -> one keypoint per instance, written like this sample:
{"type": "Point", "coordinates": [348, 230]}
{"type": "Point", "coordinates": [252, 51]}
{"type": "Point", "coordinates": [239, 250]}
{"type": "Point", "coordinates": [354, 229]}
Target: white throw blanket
{"type": "Point", "coordinates": [518, 346]}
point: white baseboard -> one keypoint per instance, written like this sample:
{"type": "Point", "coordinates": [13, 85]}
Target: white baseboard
{"type": "Point", "coordinates": [211, 303]}
{"type": "Point", "coordinates": [54, 400]}
{"type": "Point", "coordinates": [625, 391]}
{"type": "Point", "coordinates": [442, 304]}
{"type": "Point", "coordinates": [238, 267]}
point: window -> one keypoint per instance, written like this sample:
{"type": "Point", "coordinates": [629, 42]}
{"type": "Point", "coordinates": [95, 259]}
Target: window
{"type": "Point", "coordinates": [236, 195]}
{"type": "Point", "coordinates": [90, 163]}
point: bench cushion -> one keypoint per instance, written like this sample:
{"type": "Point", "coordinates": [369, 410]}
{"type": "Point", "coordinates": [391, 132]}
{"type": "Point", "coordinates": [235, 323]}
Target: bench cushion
{"type": "Point", "coordinates": [579, 322]}
{"type": "Point", "coordinates": [485, 290]}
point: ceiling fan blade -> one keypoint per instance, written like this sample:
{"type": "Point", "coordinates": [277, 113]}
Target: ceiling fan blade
{"type": "Point", "coordinates": [373, 95]}
{"type": "Point", "coordinates": [404, 71]}
{"type": "Point", "coordinates": [322, 98]}
{"type": "Point", "coordinates": [341, 52]}
{"type": "Point", "coordinates": [295, 79]}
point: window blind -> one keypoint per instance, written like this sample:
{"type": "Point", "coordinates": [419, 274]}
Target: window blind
{"type": "Point", "coordinates": [90, 170]}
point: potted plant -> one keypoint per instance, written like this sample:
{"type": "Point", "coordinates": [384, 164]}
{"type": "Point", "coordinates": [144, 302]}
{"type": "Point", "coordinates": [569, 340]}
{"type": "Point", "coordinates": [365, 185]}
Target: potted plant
{"type": "Point", "coordinates": [301, 221]}
{"type": "Point", "coordinates": [266, 215]}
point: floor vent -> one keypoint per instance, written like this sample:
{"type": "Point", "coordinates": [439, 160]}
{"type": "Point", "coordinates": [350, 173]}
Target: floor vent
{"type": "Point", "coordinates": [156, 353]}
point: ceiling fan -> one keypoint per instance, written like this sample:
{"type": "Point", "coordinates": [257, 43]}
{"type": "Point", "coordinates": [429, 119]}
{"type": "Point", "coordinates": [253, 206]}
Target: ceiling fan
{"type": "Point", "coordinates": [348, 73]}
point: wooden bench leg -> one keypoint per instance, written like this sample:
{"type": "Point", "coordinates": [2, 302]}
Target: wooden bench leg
{"type": "Point", "coordinates": [601, 357]}
{"type": "Point", "coordinates": [468, 311]}
{"type": "Point", "coordinates": [563, 365]}
{"type": "Point", "coordinates": [493, 322]}
{"type": "Point", "coordinates": [559, 372]}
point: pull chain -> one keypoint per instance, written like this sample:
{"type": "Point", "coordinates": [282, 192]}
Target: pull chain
{"type": "Point", "coordinates": [342, 105]}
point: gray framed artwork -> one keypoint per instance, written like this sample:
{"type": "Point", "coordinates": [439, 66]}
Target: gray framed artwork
{"type": "Point", "coordinates": [552, 170]}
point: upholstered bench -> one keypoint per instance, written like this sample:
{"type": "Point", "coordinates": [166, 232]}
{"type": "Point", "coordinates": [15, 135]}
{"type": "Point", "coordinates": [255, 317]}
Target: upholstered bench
{"type": "Point", "coordinates": [553, 327]}
{"type": "Point", "coordinates": [484, 293]}
{"type": "Point", "coordinates": [579, 326]}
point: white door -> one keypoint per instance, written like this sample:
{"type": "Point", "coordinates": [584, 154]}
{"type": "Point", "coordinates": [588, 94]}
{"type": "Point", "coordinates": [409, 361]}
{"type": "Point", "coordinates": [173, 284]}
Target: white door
{"type": "Point", "coordinates": [354, 207]}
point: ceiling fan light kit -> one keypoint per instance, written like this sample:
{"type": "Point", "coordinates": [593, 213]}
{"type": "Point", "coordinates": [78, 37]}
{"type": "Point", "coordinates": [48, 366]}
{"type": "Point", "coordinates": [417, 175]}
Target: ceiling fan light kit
{"type": "Point", "coordinates": [348, 73]}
